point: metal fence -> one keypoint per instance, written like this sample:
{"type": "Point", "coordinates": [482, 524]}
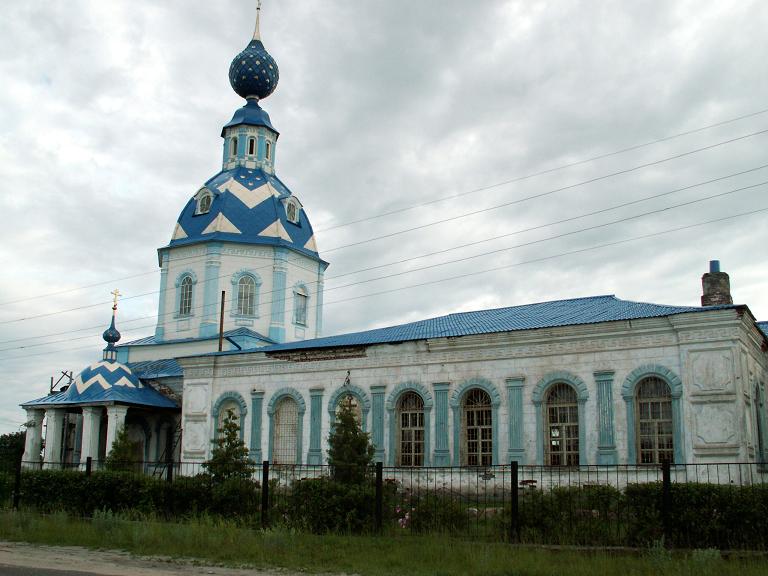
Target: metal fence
{"type": "Point", "coordinates": [686, 505]}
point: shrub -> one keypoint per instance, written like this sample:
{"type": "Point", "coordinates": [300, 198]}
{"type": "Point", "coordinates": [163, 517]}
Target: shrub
{"type": "Point", "coordinates": [432, 512]}
{"type": "Point", "coordinates": [229, 458]}
{"type": "Point", "coordinates": [322, 505]}
{"type": "Point", "coordinates": [350, 451]}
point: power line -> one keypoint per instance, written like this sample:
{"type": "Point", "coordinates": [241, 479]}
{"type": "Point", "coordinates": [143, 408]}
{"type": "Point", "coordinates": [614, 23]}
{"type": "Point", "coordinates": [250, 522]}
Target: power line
{"type": "Point", "coordinates": [547, 171]}
{"type": "Point", "coordinates": [506, 266]}
{"type": "Point", "coordinates": [430, 202]}
{"type": "Point", "coordinates": [549, 192]}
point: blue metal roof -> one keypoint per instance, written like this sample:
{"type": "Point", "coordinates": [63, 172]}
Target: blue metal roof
{"type": "Point", "coordinates": [148, 369]}
{"type": "Point", "coordinates": [234, 333]}
{"type": "Point", "coordinates": [589, 310]}
{"type": "Point", "coordinates": [105, 383]}
{"type": "Point", "coordinates": [251, 115]}
{"type": "Point", "coordinates": [247, 208]}
{"type": "Point", "coordinates": [764, 327]}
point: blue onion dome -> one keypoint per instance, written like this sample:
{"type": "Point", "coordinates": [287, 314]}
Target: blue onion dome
{"type": "Point", "coordinates": [253, 73]}
{"type": "Point", "coordinates": [111, 334]}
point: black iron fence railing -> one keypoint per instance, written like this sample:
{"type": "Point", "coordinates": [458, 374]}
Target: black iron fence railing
{"type": "Point", "coordinates": [721, 505]}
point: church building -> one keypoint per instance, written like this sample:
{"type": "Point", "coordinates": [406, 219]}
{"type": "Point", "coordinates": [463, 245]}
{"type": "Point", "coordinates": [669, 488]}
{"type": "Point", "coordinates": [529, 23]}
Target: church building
{"type": "Point", "coordinates": [586, 381]}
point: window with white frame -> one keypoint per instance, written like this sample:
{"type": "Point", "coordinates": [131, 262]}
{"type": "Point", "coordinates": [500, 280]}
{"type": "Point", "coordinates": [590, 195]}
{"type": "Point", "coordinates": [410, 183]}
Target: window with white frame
{"type": "Point", "coordinates": [300, 299]}
{"type": "Point", "coordinates": [268, 149]}
{"type": "Point", "coordinates": [561, 410]}
{"type": "Point", "coordinates": [653, 421]}
{"type": "Point", "coordinates": [251, 146]}
{"type": "Point", "coordinates": [478, 428]}
{"type": "Point", "coordinates": [204, 201]}
{"type": "Point", "coordinates": [285, 431]}
{"type": "Point", "coordinates": [185, 296]}
{"type": "Point", "coordinates": [291, 212]}
{"type": "Point", "coordinates": [233, 146]}
{"type": "Point", "coordinates": [246, 296]}
{"type": "Point", "coordinates": [410, 441]}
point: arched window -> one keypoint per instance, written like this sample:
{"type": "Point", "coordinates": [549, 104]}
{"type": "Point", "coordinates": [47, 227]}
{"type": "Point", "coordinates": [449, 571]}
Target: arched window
{"type": "Point", "coordinates": [478, 429]}
{"type": "Point", "coordinates": [285, 432]}
{"type": "Point", "coordinates": [561, 430]}
{"type": "Point", "coordinates": [350, 401]}
{"type": "Point", "coordinates": [225, 408]}
{"type": "Point", "coordinates": [251, 146]}
{"type": "Point", "coordinates": [233, 146]}
{"type": "Point", "coordinates": [204, 204]}
{"type": "Point", "coordinates": [185, 297]}
{"type": "Point", "coordinates": [300, 298]}
{"type": "Point", "coordinates": [653, 421]}
{"type": "Point", "coordinates": [291, 212]}
{"type": "Point", "coordinates": [410, 441]}
{"type": "Point", "coordinates": [268, 149]}
{"type": "Point", "coordinates": [246, 296]}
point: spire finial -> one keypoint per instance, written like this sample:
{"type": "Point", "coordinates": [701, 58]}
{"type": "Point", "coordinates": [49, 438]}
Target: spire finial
{"type": "Point", "coordinates": [256, 32]}
{"type": "Point", "coordinates": [115, 295]}
{"type": "Point", "coordinates": [111, 334]}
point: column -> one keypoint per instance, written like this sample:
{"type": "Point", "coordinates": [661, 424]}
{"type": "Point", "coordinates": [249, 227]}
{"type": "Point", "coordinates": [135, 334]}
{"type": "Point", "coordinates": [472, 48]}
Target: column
{"type": "Point", "coordinates": [54, 436]}
{"type": "Point", "coordinates": [442, 456]}
{"type": "Point", "coordinates": [160, 329]}
{"type": "Point", "coordinates": [115, 422]}
{"type": "Point", "coordinates": [315, 455]}
{"type": "Point", "coordinates": [319, 300]}
{"type": "Point", "coordinates": [515, 442]}
{"type": "Point", "coordinates": [377, 393]}
{"type": "Point", "coordinates": [210, 323]}
{"type": "Point", "coordinates": [606, 446]}
{"type": "Point", "coordinates": [91, 426]}
{"type": "Point", "coordinates": [279, 275]}
{"type": "Point", "coordinates": [257, 403]}
{"type": "Point", "coordinates": [33, 441]}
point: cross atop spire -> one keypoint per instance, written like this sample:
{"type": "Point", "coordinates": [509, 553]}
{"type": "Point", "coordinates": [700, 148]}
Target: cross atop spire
{"type": "Point", "coordinates": [115, 294]}
{"type": "Point", "coordinates": [256, 32]}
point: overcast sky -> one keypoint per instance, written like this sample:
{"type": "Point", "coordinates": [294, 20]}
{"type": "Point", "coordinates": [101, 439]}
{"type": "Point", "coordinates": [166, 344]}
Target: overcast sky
{"type": "Point", "coordinates": [111, 110]}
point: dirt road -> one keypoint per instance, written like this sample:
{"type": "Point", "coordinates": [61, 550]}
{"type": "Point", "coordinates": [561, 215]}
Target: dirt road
{"type": "Point", "coordinates": [20, 558]}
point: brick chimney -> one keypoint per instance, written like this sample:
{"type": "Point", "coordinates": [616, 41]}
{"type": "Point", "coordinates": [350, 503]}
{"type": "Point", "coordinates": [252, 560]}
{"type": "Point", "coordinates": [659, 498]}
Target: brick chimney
{"type": "Point", "coordinates": [716, 285]}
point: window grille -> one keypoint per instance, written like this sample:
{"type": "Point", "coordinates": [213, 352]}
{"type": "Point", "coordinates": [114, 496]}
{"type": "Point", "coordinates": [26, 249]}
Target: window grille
{"type": "Point", "coordinates": [350, 401]}
{"type": "Point", "coordinates": [285, 431]}
{"type": "Point", "coordinates": [478, 433]}
{"type": "Point", "coordinates": [411, 430]}
{"type": "Point", "coordinates": [185, 297]}
{"type": "Point", "coordinates": [300, 306]}
{"type": "Point", "coordinates": [246, 296]}
{"type": "Point", "coordinates": [653, 401]}
{"type": "Point", "coordinates": [562, 426]}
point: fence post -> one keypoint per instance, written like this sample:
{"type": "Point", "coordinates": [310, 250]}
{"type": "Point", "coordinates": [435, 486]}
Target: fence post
{"type": "Point", "coordinates": [514, 521]}
{"type": "Point", "coordinates": [265, 494]}
{"type": "Point", "coordinates": [88, 465]}
{"type": "Point", "coordinates": [379, 494]}
{"type": "Point", "coordinates": [666, 501]}
{"type": "Point", "coordinates": [17, 486]}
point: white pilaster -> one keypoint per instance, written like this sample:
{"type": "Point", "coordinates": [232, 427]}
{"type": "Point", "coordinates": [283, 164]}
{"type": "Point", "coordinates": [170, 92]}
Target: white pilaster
{"type": "Point", "coordinates": [54, 433]}
{"type": "Point", "coordinates": [115, 421]}
{"type": "Point", "coordinates": [33, 442]}
{"type": "Point", "coordinates": [90, 442]}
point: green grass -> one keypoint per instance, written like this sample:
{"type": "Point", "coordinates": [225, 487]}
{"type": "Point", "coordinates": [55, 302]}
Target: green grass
{"type": "Point", "coordinates": [220, 542]}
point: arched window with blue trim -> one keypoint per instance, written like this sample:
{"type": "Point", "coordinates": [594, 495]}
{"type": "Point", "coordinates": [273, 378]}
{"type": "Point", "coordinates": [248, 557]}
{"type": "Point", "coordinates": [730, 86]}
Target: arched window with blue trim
{"type": "Point", "coordinates": [410, 430]}
{"type": "Point", "coordinates": [562, 426]}
{"type": "Point", "coordinates": [653, 413]}
{"type": "Point", "coordinates": [477, 429]}
{"type": "Point", "coordinates": [246, 296]}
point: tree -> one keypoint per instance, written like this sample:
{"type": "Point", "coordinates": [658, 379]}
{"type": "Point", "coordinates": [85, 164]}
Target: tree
{"type": "Point", "coordinates": [229, 458]}
{"type": "Point", "coordinates": [121, 455]}
{"type": "Point", "coordinates": [350, 451]}
{"type": "Point", "coordinates": [11, 450]}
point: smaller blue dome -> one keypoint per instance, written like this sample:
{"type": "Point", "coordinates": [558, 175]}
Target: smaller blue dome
{"type": "Point", "coordinates": [253, 73]}
{"type": "Point", "coordinates": [91, 383]}
{"type": "Point", "coordinates": [111, 334]}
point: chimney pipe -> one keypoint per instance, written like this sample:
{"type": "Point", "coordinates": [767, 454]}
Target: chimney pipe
{"type": "Point", "coordinates": [716, 286]}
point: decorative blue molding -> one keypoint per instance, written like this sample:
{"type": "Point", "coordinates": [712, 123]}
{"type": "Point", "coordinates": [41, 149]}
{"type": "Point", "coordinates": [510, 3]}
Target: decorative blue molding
{"type": "Point", "coordinates": [442, 456]}
{"type": "Point", "coordinates": [279, 274]}
{"type": "Point", "coordinates": [225, 397]}
{"type": "Point", "coordinates": [257, 404]}
{"type": "Point", "coordinates": [676, 390]}
{"type": "Point", "coordinates": [377, 424]}
{"type": "Point", "coordinates": [177, 284]}
{"type": "Point", "coordinates": [515, 440]}
{"type": "Point", "coordinates": [235, 281]}
{"type": "Point", "coordinates": [359, 394]}
{"type": "Point", "coordinates": [315, 454]}
{"type": "Point", "coordinates": [456, 401]}
{"type": "Point", "coordinates": [394, 422]}
{"type": "Point", "coordinates": [582, 394]}
{"type": "Point", "coordinates": [301, 407]}
{"type": "Point", "coordinates": [606, 446]}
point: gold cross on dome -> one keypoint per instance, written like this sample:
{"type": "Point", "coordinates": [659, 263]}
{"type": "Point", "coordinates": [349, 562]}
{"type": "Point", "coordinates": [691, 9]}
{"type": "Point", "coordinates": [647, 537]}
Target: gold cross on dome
{"type": "Point", "coordinates": [116, 294]}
